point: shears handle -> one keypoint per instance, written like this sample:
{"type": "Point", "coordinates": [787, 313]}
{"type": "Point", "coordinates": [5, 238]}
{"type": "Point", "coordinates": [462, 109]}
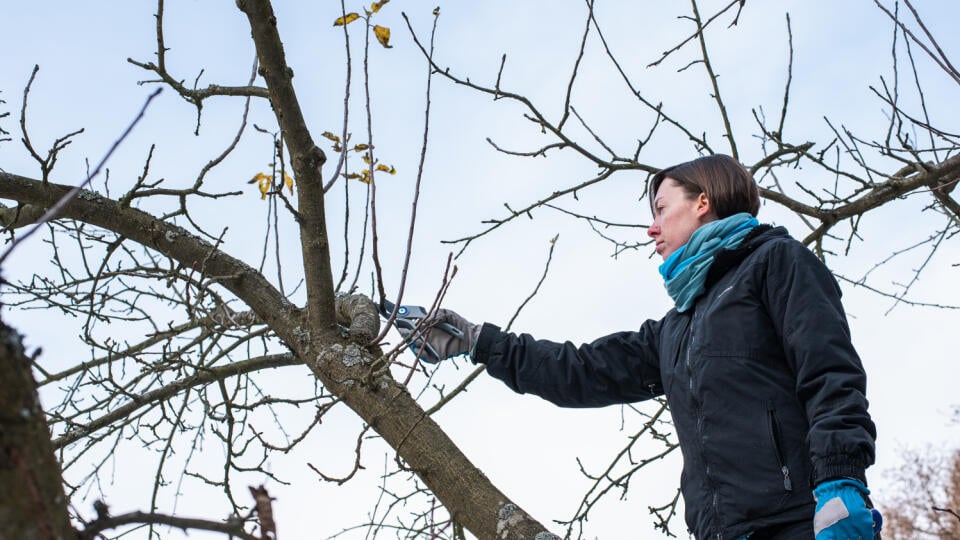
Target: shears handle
{"type": "Point", "coordinates": [411, 315]}
{"type": "Point", "coordinates": [415, 340]}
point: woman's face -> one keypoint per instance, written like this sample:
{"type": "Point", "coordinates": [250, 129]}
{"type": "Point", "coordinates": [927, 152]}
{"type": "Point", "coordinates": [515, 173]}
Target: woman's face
{"type": "Point", "coordinates": [675, 216]}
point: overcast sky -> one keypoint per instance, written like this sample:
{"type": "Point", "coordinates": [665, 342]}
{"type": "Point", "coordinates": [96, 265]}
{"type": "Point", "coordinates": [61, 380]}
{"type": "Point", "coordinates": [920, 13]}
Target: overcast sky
{"type": "Point", "coordinates": [526, 446]}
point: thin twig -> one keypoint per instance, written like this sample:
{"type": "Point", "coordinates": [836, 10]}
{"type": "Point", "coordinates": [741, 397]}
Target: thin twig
{"type": "Point", "coordinates": [416, 189]}
{"type": "Point", "coordinates": [576, 68]}
{"type": "Point", "coordinates": [698, 32]}
{"type": "Point", "coordinates": [480, 369]}
{"type": "Point", "coordinates": [786, 90]}
{"type": "Point", "coordinates": [543, 277]}
{"type": "Point", "coordinates": [342, 160]}
{"type": "Point", "coordinates": [714, 82]}
{"type": "Point", "coordinates": [941, 59]}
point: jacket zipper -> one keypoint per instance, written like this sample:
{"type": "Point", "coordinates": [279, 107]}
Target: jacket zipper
{"type": "Point", "coordinates": [775, 436]}
{"type": "Point", "coordinates": [715, 498]}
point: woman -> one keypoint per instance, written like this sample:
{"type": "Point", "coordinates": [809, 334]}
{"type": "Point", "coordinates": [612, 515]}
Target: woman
{"type": "Point", "coordinates": [755, 359]}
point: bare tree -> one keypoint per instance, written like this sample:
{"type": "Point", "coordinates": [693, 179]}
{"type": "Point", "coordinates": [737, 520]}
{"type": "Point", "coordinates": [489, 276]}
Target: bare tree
{"type": "Point", "coordinates": [926, 503]}
{"type": "Point", "coordinates": [204, 331]}
{"type": "Point", "coordinates": [184, 378]}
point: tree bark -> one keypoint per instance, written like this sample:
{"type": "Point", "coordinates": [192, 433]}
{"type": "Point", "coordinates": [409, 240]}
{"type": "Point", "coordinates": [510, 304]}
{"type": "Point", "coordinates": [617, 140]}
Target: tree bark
{"type": "Point", "coordinates": [32, 502]}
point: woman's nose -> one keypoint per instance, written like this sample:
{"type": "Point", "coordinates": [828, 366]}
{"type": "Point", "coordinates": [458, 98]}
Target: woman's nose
{"type": "Point", "coordinates": [653, 230]}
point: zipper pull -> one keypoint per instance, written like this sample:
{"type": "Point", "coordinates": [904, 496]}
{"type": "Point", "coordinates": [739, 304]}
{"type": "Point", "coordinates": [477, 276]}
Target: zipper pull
{"type": "Point", "coordinates": [787, 483]}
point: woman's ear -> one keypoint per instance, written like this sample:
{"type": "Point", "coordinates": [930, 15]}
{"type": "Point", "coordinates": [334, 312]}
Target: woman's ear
{"type": "Point", "coordinates": [704, 208]}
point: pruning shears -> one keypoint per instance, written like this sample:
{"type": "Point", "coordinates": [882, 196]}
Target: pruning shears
{"type": "Point", "coordinates": [408, 318]}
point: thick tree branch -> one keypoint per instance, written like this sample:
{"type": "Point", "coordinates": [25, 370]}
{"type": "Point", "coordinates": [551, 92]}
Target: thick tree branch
{"type": "Point", "coordinates": [900, 183]}
{"type": "Point", "coordinates": [933, 176]}
{"type": "Point", "coordinates": [307, 159]}
{"type": "Point", "coordinates": [171, 240]}
{"type": "Point", "coordinates": [19, 216]}
{"type": "Point", "coordinates": [231, 528]}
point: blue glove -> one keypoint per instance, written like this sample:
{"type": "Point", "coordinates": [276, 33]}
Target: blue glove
{"type": "Point", "coordinates": [842, 512]}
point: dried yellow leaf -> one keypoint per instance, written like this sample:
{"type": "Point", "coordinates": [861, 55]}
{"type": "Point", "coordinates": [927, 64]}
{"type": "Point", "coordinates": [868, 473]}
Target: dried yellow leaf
{"type": "Point", "coordinates": [330, 136]}
{"type": "Point", "coordinates": [361, 147]}
{"type": "Point", "coordinates": [337, 148]}
{"type": "Point", "coordinates": [386, 168]}
{"type": "Point", "coordinates": [346, 19]}
{"type": "Point", "coordinates": [287, 181]}
{"type": "Point", "coordinates": [365, 176]}
{"type": "Point", "coordinates": [383, 35]}
{"type": "Point", "coordinates": [257, 178]}
{"type": "Point", "coordinates": [375, 7]}
{"type": "Point", "coordinates": [366, 158]}
{"type": "Point", "coordinates": [263, 182]}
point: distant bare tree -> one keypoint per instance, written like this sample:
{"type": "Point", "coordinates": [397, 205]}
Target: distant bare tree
{"type": "Point", "coordinates": [925, 503]}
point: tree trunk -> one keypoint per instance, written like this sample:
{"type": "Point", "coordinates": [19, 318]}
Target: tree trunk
{"type": "Point", "coordinates": [32, 501]}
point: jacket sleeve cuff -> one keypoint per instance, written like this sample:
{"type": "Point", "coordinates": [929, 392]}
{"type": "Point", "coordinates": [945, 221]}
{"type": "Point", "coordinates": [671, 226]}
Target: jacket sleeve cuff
{"type": "Point", "coordinates": [481, 350]}
{"type": "Point", "coordinates": [839, 466]}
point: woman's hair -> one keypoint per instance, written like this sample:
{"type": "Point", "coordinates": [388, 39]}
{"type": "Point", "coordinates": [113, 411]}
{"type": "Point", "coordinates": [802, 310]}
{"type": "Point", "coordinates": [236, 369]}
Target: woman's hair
{"type": "Point", "coordinates": [727, 184]}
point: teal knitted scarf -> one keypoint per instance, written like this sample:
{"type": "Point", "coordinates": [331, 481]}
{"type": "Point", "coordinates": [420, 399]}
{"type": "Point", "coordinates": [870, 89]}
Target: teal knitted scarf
{"type": "Point", "coordinates": [685, 270]}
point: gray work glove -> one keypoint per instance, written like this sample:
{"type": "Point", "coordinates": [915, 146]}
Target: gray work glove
{"type": "Point", "coordinates": [442, 335]}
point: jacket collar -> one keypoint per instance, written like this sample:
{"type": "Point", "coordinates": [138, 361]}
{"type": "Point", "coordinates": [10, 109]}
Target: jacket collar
{"type": "Point", "coordinates": [726, 259]}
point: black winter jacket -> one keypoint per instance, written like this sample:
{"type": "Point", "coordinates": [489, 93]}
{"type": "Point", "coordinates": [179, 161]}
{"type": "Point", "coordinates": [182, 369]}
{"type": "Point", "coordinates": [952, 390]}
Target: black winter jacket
{"type": "Point", "coordinates": [765, 388]}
